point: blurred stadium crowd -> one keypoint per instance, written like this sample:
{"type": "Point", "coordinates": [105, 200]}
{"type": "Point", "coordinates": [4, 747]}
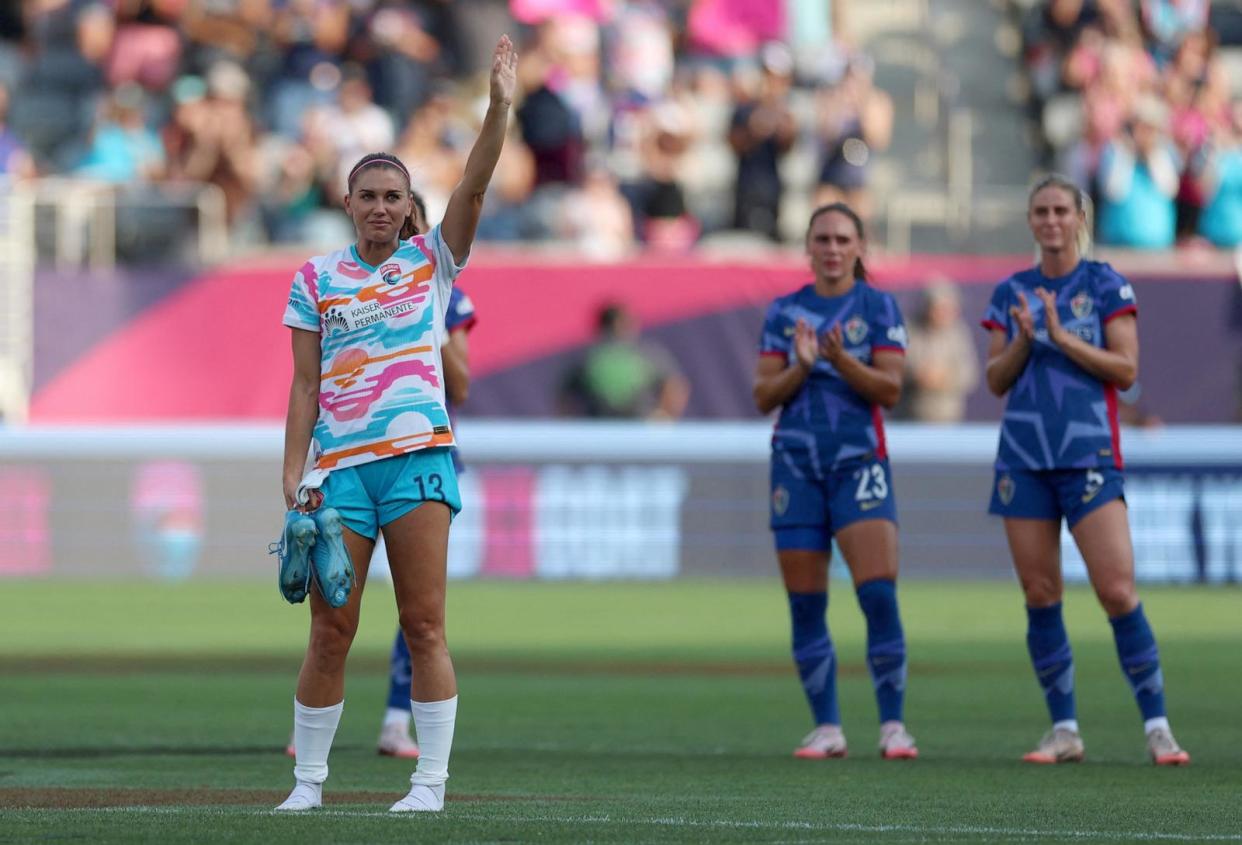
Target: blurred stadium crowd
{"type": "Point", "coordinates": [1141, 101]}
{"type": "Point", "coordinates": [638, 123]}
{"type": "Point", "coordinates": [647, 124]}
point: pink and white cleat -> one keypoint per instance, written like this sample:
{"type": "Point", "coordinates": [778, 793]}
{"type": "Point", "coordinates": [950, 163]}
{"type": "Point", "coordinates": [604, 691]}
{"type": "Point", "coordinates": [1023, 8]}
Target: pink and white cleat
{"type": "Point", "coordinates": [823, 743]}
{"type": "Point", "coordinates": [395, 741]}
{"type": "Point", "coordinates": [896, 742]}
{"type": "Point", "coordinates": [1164, 749]}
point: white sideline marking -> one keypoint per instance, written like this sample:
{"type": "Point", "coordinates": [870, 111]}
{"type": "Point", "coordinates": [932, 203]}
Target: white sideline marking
{"type": "Point", "coordinates": [672, 821]}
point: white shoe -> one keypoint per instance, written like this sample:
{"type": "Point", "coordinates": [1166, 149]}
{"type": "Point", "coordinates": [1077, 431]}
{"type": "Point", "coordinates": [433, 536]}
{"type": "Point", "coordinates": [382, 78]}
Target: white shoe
{"type": "Point", "coordinates": [896, 742]}
{"type": "Point", "coordinates": [305, 796]}
{"type": "Point", "coordinates": [1164, 749]}
{"type": "Point", "coordinates": [1059, 745]}
{"type": "Point", "coordinates": [395, 741]}
{"type": "Point", "coordinates": [422, 799]}
{"type": "Point", "coordinates": [823, 742]}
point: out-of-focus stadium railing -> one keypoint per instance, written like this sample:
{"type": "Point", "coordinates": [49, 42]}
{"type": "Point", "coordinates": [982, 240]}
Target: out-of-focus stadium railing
{"type": "Point", "coordinates": [555, 500]}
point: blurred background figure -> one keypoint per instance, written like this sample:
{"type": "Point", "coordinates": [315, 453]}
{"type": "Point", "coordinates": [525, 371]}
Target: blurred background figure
{"type": "Point", "coordinates": [855, 122]}
{"type": "Point", "coordinates": [1139, 178]}
{"type": "Point", "coordinates": [762, 131]}
{"type": "Point", "coordinates": [942, 367]}
{"type": "Point", "coordinates": [623, 376]}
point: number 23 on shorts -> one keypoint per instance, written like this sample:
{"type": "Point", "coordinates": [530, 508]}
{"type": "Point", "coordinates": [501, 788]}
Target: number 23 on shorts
{"type": "Point", "coordinates": [872, 483]}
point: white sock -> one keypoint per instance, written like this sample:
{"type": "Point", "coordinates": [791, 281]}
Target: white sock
{"type": "Point", "coordinates": [313, 730]}
{"type": "Point", "coordinates": [1156, 723]}
{"type": "Point", "coordinates": [433, 729]}
{"type": "Point", "coordinates": [397, 716]}
{"type": "Point", "coordinates": [1066, 724]}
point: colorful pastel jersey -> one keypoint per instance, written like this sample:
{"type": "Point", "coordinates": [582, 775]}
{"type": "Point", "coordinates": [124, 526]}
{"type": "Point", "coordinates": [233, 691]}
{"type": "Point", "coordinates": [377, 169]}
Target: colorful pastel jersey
{"type": "Point", "coordinates": [381, 388]}
{"type": "Point", "coordinates": [1059, 416]}
{"type": "Point", "coordinates": [826, 423]}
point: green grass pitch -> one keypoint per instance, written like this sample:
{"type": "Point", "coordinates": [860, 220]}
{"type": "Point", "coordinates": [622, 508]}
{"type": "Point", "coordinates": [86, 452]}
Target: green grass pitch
{"type": "Point", "coordinates": [608, 712]}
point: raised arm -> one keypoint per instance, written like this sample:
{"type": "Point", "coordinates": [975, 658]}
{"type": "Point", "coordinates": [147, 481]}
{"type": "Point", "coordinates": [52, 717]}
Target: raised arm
{"type": "Point", "coordinates": [303, 411]}
{"type": "Point", "coordinates": [461, 218]}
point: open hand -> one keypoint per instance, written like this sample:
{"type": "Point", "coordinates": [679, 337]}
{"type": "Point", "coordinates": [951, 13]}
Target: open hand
{"type": "Point", "coordinates": [504, 71]}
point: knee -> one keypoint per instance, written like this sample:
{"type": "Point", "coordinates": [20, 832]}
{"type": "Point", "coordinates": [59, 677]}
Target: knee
{"type": "Point", "coordinates": [331, 638]}
{"type": "Point", "coordinates": [1041, 590]}
{"type": "Point", "coordinates": [424, 633]}
{"type": "Point", "coordinates": [1117, 598]}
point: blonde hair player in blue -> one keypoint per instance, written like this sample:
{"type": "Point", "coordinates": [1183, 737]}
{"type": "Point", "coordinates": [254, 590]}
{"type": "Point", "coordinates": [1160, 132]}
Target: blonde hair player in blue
{"type": "Point", "coordinates": [1064, 339]}
{"type": "Point", "coordinates": [368, 327]}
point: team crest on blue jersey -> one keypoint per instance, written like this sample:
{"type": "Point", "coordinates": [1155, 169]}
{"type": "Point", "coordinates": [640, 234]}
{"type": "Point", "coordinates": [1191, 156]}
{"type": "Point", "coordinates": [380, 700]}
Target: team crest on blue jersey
{"type": "Point", "coordinates": [1080, 305]}
{"type": "Point", "coordinates": [780, 500]}
{"type": "Point", "coordinates": [1005, 488]}
{"type": "Point", "coordinates": [855, 329]}
{"type": "Point", "coordinates": [391, 273]}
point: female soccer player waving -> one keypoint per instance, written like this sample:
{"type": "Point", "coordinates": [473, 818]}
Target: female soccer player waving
{"type": "Point", "coordinates": [369, 326]}
{"type": "Point", "coordinates": [1064, 338]}
{"type": "Point", "coordinates": [831, 355]}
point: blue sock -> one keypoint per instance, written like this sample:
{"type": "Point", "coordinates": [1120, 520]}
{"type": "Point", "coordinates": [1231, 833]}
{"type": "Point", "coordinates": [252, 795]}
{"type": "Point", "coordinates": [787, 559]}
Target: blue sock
{"type": "Point", "coordinates": [400, 674]}
{"type": "Point", "coordinates": [1049, 646]}
{"type": "Point", "coordinates": [886, 646]}
{"type": "Point", "coordinates": [814, 655]}
{"type": "Point", "coordinates": [1140, 660]}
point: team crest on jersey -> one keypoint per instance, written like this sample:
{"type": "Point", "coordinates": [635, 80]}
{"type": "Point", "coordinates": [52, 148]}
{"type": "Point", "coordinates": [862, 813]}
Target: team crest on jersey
{"type": "Point", "coordinates": [855, 329]}
{"type": "Point", "coordinates": [780, 500]}
{"type": "Point", "coordinates": [1081, 305]}
{"type": "Point", "coordinates": [391, 273]}
{"type": "Point", "coordinates": [1005, 488]}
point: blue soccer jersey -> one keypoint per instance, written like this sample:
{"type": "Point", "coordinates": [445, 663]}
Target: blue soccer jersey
{"type": "Point", "coordinates": [826, 423]}
{"type": "Point", "coordinates": [1059, 416]}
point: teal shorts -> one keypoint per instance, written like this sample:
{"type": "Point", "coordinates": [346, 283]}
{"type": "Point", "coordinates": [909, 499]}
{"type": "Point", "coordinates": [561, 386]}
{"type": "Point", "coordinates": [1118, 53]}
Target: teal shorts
{"type": "Point", "coordinates": [373, 494]}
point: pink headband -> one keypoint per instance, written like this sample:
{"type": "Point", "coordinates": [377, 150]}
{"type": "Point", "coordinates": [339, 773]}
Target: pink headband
{"type": "Point", "coordinates": [368, 162]}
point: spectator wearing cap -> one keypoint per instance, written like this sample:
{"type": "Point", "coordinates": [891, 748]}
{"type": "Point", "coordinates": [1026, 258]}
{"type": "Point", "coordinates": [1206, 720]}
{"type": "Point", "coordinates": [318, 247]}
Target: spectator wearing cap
{"type": "Point", "coordinates": [762, 131]}
{"type": "Point", "coordinates": [1139, 178]}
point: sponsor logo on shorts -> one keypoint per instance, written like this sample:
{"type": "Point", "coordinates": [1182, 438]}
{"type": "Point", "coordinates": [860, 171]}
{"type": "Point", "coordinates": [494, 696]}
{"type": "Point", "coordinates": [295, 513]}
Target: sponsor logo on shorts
{"type": "Point", "coordinates": [1081, 305]}
{"type": "Point", "coordinates": [780, 500]}
{"type": "Point", "coordinates": [866, 506]}
{"type": "Point", "coordinates": [855, 329]}
{"type": "Point", "coordinates": [1005, 488]}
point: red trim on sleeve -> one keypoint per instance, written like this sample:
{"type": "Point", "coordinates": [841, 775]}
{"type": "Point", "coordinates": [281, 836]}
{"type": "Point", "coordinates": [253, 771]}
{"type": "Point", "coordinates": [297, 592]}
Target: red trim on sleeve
{"type": "Point", "coordinates": [991, 324]}
{"type": "Point", "coordinates": [1125, 309]}
{"type": "Point", "coordinates": [888, 349]}
{"type": "Point", "coordinates": [465, 325]}
{"type": "Point", "coordinates": [773, 353]}
{"type": "Point", "coordinates": [1110, 400]}
{"type": "Point", "coordinates": [881, 445]}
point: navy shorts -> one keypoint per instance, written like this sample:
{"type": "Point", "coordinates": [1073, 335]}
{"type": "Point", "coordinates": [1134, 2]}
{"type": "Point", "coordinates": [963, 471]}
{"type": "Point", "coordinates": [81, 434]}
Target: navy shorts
{"type": "Point", "coordinates": [806, 511]}
{"type": "Point", "coordinates": [1055, 493]}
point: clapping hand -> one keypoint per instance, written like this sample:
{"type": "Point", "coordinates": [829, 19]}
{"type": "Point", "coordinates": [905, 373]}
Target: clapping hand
{"type": "Point", "coordinates": [806, 346]}
{"type": "Point", "coordinates": [1051, 318]}
{"type": "Point", "coordinates": [832, 345]}
{"type": "Point", "coordinates": [1021, 314]}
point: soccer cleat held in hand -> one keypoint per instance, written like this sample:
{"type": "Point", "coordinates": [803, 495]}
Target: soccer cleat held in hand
{"type": "Point", "coordinates": [333, 569]}
{"type": "Point", "coordinates": [293, 550]}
